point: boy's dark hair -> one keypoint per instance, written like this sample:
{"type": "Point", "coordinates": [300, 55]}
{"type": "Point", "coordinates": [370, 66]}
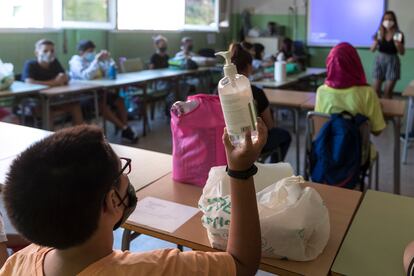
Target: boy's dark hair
{"type": "Point", "coordinates": [258, 50]}
{"type": "Point", "coordinates": [84, 45]}
{"type": "Point", "coordinates": [43, 42]}
{"type": "Point", "coordinates": [55, 189]}
{"type": "Point", "coordinates": [240, 57]}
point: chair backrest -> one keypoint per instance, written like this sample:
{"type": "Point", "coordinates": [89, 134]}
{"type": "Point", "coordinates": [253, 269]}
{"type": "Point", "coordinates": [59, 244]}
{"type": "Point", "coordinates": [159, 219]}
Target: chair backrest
{"type": "Point", "coordinates": [315, 121]}
{"type": "Point", "coordinates": [131, 65]}
{"type": "Point", "coordinates": [299, 48]}
{"type": "Point", "coordinates": [207, 52]}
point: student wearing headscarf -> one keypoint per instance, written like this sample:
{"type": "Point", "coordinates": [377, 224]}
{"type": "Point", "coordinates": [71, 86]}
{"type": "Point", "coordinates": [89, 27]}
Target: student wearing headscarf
{"type": "Point", "coordinates": [346, 88]}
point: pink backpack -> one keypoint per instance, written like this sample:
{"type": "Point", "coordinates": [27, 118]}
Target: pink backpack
{"type": "Point", "coordinates": [197, 140]}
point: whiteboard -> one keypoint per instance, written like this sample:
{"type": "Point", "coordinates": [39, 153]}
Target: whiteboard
{"type": "Point", "coordinates": [404, 9]}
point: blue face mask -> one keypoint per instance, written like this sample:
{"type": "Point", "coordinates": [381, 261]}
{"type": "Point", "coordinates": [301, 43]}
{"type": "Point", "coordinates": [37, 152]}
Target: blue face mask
{"type": "Point", "coordinates": [90, 56]}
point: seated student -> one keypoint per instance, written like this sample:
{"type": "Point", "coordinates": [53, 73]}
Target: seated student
{"type": "Point", "coordinates": [88, 66]}
{"type": "Point", "coordinates": [190, 85]}
{"type": "Point", "coordinates": [258, 58]}
{"type": "Point", "coordinates": [277, 137]}
{"type": "Point", "coordinates": [186, 48]}
{"type": "Point", "coordinates": [346, 88]}
{"type": "Point", "coordinates": [85, 189]}
{"type": "Point", "coordinates": [160, 58]}
{"type": "Point", "coordinates": [286, 51]}
{"type": "Point", "coordinates": [47, 70]}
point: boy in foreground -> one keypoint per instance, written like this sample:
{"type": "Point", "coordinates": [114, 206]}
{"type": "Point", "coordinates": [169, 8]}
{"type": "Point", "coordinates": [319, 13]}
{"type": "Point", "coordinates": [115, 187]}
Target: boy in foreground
{"type": "Point", "coordinates": [69, 191]}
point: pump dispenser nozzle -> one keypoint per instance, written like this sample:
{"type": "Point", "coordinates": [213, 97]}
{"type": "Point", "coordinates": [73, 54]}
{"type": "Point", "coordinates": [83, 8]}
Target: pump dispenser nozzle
{"type": "Point", "coordinates": [229, 68]}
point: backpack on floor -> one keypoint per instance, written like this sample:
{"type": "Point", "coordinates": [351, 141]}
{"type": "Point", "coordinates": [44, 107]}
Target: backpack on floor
{"type": "Point", "coordinates": [336, 152]}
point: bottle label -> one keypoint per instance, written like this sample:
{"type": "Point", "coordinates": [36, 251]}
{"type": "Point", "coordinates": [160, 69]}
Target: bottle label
{"type": "Point", "coordinates": [239, 113]}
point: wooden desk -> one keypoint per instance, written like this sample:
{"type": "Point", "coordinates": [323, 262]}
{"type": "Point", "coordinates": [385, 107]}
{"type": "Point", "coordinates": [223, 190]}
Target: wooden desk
{"type": "Point", "coordinates": [16, 138]}
{"type": "Point", "coordinates": [376, 240]}
{"type": "Point", "coordinates": [63, 92]}
{"type": "Point", "coordinates": [142, 78]}
{"type": "Point", "coordinates": [408, 92]}
{"type": "Point", "coordinates": [147, 166]}
{"type": "Point", "coordinates": [341, 203]}
{"type": "Point", "coordinates": [393, 110]}
{"type": "Point", "coordinates": [292, 100]}
{"type": "Point", "coordinates": [19, 88]}
{"type": "Point", "coordinates": [309, 72]}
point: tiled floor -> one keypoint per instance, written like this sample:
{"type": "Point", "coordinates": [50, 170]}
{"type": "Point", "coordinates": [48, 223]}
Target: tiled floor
{"type": "Point", "coordinates": [159, 139]}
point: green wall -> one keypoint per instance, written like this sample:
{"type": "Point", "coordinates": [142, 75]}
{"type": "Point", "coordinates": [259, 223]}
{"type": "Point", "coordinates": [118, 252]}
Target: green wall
{"type": "Point", "coordinates": [319, 54]}
{"type": "Point", "coordinates": [16, 47]}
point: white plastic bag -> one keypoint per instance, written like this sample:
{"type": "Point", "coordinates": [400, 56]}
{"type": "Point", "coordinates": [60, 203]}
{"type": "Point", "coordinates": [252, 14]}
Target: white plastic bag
{"type": "Point", "coordinates": [294, 221]}
{"type": "Point", "coordinates": [6, 75]}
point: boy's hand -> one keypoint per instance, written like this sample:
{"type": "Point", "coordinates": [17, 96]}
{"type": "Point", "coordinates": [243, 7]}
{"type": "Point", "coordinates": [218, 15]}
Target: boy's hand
{"type": "Point", "coordinates": [103, 55]}
{"type": "Point", "coordinates": [242, 158]}
{"type": "Point", "coordinates": [61, 79]}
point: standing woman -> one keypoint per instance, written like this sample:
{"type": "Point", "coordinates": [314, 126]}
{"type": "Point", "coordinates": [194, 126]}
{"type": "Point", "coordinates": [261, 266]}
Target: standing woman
{"type": "Point", "coordinates": [389, 41]}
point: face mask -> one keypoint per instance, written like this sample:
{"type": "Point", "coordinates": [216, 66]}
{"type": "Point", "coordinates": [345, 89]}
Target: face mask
{"type": "Point", "coordinates": [163, 49]}
{"type": "Point", "coordinates": [388, 24]}
{"type": "Point", "coordinates": [46, 58]}
{"type": "Point", "coordinates": [90, 56]}
{"type": "Point", "coordinates": [190, 48]}
{"type": "Point", "coordinates": [132, 204]}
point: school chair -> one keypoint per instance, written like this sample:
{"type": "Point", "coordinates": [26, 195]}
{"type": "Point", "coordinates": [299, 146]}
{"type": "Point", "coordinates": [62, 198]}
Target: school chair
{"type": "Point", "coordinates": [131, 65]}
{"type": "Point", "coordinates": [155, 92]}
{"type": "Point", "coordinates": [407, 135]}
{"type": "Point", "coordinates": [265, 155]}
{"type": "Point", "coordinates": [207, 52]}
{"type": "Point", "coordinates": [315, 122]}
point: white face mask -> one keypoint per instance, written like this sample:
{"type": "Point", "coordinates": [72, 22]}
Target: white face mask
{"type": "Point", "coordinates": [46, 57]}
{"type": "Point", "coordinates": [388, 24]}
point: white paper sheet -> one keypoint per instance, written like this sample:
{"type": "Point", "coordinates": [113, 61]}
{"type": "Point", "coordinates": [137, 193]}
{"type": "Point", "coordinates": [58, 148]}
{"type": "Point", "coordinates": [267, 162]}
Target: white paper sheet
{"type": "Point", "coordinates": [161, 214]}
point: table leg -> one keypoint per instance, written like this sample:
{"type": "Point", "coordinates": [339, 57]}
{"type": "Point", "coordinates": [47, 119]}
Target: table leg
{"type": "Point", "coordinates": [96, 104]}
{"type": "Point", "coordinates": [127, 237]}
{"type": "Point", "coordinates": [408, 128]}
{"type": "Point", "coordinates": [296, 116]}
{"type": "Point", "coordinates": [104, 104]}
{"type": "Point", "coordinates": [144, 107]}
{"type": "Point", "coordinates": [46, 112]}
{"type": "Point", "coordinates": [397, 125]}
{"type": "Point", "coordinates": [177, 89]}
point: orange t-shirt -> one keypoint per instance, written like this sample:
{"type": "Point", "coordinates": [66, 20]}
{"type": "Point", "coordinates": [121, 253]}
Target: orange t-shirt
{"type": "Point", "coordinates": [29, 261]}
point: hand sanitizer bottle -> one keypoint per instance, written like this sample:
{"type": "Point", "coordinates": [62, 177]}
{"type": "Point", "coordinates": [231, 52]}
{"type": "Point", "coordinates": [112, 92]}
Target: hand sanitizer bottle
{"type": "Point", "coordinates": [237, 103]}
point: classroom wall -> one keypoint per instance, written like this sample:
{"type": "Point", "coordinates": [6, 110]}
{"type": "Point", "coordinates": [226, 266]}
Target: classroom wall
{"type": "Point", "coordinates": [16, 47]}
{"type": "Point", "coordinates": [263, 13]}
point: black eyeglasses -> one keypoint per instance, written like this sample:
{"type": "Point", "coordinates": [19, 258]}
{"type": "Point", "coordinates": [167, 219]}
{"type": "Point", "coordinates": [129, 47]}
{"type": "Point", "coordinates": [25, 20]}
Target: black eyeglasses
{"type": "Point", "coordinates": [125, 169]}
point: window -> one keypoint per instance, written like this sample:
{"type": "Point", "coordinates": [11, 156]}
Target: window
{"type": "Point", "coordinates": [201, 13]}
{"type": "Point", "coordinates": [206, 15]}
{"type": "Point", "coordinates": [78, 10]}
{"type": "Point", "coordinates": [22, 14]}
{"type": "Point", "coordinates": [86, 14]}
{"type": "Point", "coordinates": [150, 15]}
{"type": "Point", "coordinates": [169, 14]}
